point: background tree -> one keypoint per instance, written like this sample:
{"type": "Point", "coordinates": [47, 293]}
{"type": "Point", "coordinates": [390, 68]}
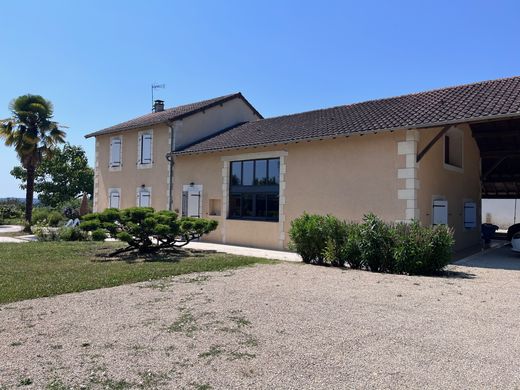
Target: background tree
{"type": "Point", "coordinates": [62, 177]}
{"type": "Point", "coordinates": [33, 135]}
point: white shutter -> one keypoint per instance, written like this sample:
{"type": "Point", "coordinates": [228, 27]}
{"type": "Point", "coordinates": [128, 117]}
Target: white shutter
{"type": "Point", "coordinates": [144, 198]}
{"type": "Point", "coordinates": [440, 212]}
{"type": "Point", "coordinates": [145, 149]}
{"type": "Point", "coordinates": [192, 201]}
{"type": "Point", "coordinates": [115, 152]}
{"type": "Point", "coordinates": [114, 200]}
{"type": "Point", "coordinates": [470, 215]}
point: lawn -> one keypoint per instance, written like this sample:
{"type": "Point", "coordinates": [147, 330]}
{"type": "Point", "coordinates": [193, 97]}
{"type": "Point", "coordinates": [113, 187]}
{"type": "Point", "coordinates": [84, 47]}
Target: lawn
{"type": "Point", "coordinates": [33, 270]}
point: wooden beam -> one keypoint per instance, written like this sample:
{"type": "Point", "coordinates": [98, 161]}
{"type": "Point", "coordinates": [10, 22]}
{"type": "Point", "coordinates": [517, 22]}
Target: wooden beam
{"type": "Point", "coordinates": [439, 135]}
{"type": "Point", "coordinates": [493, 167]}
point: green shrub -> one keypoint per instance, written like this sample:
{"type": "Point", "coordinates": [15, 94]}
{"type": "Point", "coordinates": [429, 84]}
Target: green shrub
{"type": "Point", "coordinates": [72, 234]}
{"type": "Point", "coordinates": [99, 235]}
{"type": "Point", "coordinates": [54, 218]}
{"type": "Point", "coordinates": [146, 230]}
{"type": "Point", "coordinates": [351, 251]}
{"type": "Point", "coordinates": [40, 215]}
{"type": "Point", "coordinates": [309, 237]}
{"type": "Point", "coordinates": [376, 244]}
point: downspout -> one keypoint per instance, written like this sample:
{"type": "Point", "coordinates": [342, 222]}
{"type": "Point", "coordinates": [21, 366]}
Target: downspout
{"type": "Point", "coordinates": [170, 159]}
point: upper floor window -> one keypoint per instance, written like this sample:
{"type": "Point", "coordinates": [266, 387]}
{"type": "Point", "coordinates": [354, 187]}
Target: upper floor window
{"type": "Point", "coordinates": [115, 152]}
{"type": "Point", "coordinates": [453, 149]}
{"type": "Point", "coordinates": [145, 148]}
{"type": "Point", "coordinates": [254, 189]}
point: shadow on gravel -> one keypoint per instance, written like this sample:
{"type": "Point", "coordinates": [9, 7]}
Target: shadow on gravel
{"type": "Point", "coordinates": [165, 256]}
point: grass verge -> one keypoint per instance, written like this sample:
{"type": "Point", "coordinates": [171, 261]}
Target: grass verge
{"type": "Point", "coordinates": [40, 269]}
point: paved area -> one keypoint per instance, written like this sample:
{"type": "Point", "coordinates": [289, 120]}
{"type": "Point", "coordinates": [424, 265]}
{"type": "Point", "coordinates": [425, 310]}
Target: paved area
{"type": "Point", "coordinates": [246, 251]}
{"type": "Point", "coordinates": [282, 326]}
{"type": "Point", "coordinates": [499, 258]}
{"type": "Point", "coordinates": [10, 229]}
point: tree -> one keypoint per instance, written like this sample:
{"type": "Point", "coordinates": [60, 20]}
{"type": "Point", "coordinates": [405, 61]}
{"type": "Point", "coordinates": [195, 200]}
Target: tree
{"type": "Point", "coordinates": [33, 135]}
{"type": "Point", "coordinates": [146, 230]}
{"type": "Point", "coordinates": [62, 177]}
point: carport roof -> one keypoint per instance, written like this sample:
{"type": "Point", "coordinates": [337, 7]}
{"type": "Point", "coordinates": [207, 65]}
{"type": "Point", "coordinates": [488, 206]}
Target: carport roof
{"type": "Point", "coordinates": [484, 100]}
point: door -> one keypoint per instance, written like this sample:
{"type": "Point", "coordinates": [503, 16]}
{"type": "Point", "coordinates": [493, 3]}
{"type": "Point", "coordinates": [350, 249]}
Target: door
{"type": "Point", "coordinates": [192, 201]}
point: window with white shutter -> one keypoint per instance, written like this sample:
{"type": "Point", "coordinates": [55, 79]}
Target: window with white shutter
{"type": "Point", "coordinates": [470, 215]}
{"type": "Point", "coordinates": [145, 148]}
{"type": "Point", "coordinates": [114, 198]}
{"type": "Point", "coordinates": [440, 212]}
{"type": "Point", "coordinates": [115, 152]}
{"type": "Point", "coordinates": [144, 197]}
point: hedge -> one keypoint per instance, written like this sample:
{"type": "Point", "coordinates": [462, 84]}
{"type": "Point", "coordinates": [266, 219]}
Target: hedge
{"type": "Point", "coordinates": [374, 245]}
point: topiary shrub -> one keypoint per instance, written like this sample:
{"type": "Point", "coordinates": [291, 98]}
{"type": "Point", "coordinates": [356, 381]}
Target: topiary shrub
{"type": "Point", "coordinates": [376, 243]}
{"type": "Point", "coordinates": [146, 230]}
{"type": "Point", "coordinates": [99, 235]}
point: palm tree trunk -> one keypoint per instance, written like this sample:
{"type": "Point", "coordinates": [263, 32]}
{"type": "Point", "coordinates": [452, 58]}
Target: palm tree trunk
{"type": "Point", "coordinates": [29, 194]}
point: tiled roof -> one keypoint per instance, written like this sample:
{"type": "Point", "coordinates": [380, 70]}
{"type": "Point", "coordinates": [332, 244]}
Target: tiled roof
{"type": "Point", "coordinates": [487, 99]}
{"type": "Point", "coordinates": [170, 114]}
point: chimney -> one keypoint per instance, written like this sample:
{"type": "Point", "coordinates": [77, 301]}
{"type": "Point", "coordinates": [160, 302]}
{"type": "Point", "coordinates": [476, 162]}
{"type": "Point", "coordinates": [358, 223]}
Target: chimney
{"type": "Point", "coordinates": [158, 105]}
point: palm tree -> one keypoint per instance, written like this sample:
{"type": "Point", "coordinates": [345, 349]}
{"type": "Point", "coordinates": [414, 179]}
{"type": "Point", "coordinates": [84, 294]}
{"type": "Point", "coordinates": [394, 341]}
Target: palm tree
{"type": "Point", "coordinates": [33, 135]}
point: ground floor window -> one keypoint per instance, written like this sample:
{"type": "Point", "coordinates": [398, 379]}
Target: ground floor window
{"type": "Point", "coordinates": [114, 198]}
{"type": "Point", "coordinates": [144, 197]}
{"type": "Point", "coordinates": [254, 189]}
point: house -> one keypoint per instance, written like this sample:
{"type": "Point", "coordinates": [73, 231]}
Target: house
{"type": "Point", "coordinates": [429, 156]}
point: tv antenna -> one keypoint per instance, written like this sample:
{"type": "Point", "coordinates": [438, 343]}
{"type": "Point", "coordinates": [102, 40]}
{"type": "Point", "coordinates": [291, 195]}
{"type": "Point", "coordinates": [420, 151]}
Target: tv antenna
{"type": "Point", "coordinates": [155, 86]}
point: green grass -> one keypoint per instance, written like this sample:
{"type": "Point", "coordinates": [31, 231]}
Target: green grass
{"type": "Point", "coordinates": [40, 269]}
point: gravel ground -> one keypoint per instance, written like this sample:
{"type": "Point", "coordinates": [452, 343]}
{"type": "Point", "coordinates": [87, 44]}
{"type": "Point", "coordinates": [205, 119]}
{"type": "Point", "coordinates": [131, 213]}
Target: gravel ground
{"type": "Point", "coordinates": [283, 326]}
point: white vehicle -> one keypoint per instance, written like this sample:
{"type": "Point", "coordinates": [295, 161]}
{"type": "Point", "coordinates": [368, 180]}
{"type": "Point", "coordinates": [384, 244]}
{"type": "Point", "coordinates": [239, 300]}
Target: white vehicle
{"type": "Point", "coordinates": [515, 242]}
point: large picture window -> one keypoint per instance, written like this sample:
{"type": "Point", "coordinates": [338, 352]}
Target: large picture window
{"type": "Point", "coordinates": [254, 189]}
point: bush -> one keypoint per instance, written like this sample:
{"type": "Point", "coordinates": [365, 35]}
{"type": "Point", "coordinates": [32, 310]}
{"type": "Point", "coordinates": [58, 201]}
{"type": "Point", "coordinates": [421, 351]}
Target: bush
{"type": "Point", "coordinates": [54, 218]}
{"type": "Point", "coordinates": [373, 244]}
{"type": "Point", "coordinates": [309, 237]}
{"type": "Point", "coordinates": [72, 234]}
{"type": "Point", "coordinates": [99, 235]}
{"type": "Point", "coordinates": [146, 230]}
{"type": "Point", "coordinates": [40, 215]}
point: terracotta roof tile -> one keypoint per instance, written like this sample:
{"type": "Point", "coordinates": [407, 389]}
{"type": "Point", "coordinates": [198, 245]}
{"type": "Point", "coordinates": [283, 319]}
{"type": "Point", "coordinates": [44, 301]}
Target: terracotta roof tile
{"type": "Point", "coordinates": [458, 104]}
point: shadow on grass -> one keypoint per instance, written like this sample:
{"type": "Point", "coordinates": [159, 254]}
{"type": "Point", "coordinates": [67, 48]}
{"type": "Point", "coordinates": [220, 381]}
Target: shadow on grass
{"type": "Point", "coordinates": [170, 255]}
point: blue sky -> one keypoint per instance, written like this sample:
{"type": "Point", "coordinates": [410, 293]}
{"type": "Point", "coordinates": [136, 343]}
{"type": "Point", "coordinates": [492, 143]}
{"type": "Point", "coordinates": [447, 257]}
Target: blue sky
{"type": "Point", "coordinates": [95, 60]}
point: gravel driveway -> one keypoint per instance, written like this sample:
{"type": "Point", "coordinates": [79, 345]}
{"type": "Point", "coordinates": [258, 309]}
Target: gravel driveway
{"type": "Point", "coordinates": [283, 326]}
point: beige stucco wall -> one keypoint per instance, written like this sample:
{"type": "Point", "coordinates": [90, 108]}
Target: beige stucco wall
{"type": "Point", "coordinates": [346, 177]}
{"type": "Point", "coordinates": [186, 131]}
{"type": "Point", "coordinates": [456, 186]}
{"type": "Point", "coordinates": [130, 177]}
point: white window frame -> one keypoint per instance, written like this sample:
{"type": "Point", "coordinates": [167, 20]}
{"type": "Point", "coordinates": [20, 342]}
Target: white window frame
{"type": "Point", "coordinates": [114, 191]}
{"type": "Point", "coordinates": [139, 191]}
{"type": "Point", "coordinates": [469, 203]}
{"type": "Point", "coordinates": [115, 167]}
{"type": "Point", "coordinates": [453, 132]}
{"type": "Point", "coordinates": [140, 136]}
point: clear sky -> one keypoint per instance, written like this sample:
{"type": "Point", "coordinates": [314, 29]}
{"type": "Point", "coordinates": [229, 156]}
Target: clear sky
{"type": "Point", "coordinates": [95, 60]}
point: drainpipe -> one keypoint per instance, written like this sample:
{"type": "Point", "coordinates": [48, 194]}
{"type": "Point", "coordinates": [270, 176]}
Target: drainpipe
{"type": "Point", "coordinates": [170, 159]}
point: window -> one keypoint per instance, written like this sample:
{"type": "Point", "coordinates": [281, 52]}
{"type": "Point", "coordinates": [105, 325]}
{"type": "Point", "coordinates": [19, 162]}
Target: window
{"type": "Point", "coordinates": [470, 215]}
{"type": "Point", "coordinates": [254, 189]}
{"type": "Point", "coordinates": [145, 146]}
{"type": "Point", "coordinates": [144, 197]}
{"type": "Point", "coordinates": [453, 153]}
{"type": "Point", "coordinates": [115, 152]}
{"type": "Point", "coordinates": [114, 198]}
{"type": "Point", "coordinates": [440, 212]}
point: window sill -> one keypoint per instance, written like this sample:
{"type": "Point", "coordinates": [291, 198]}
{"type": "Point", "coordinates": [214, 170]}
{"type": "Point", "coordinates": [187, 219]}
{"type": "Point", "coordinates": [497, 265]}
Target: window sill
{"type": "Point", "coordinates": [253, 219]}
{"type": "Point", "coordinates": [144, 166]}
{"type": "Point", "coordinates": [115, 168]}
{"type": "Point", "coordinates": [454, 168]}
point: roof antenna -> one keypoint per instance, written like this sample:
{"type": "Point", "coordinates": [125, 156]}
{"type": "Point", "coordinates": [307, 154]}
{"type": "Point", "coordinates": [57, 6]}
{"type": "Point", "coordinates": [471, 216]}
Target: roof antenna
{"type": "Point", "coordinates": [154, 86]}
